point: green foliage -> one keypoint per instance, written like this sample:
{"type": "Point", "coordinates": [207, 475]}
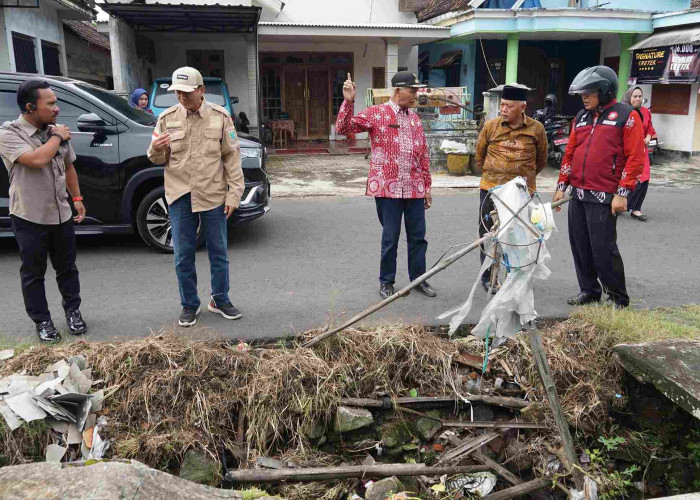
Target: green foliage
{"type": "Point", "coordinates": [617, 483]}
{"type": "Point", "coordinates": [253, 494]}
{"type": "Point", "coordinates": [613, 443]}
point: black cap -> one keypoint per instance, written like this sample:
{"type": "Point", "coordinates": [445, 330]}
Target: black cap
{"type": "Point", "coordinates": [514, 93]}
{"type": "Point", "coordinates": [406, 79]}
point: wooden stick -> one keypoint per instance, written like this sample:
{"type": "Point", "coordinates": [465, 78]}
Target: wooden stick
{"type": "Point", "coordinates": [493, 425]}
{"type": "Point", "coordinates": [519, 490]}
{"type": "Point", "coordinates": [553, 398]}
{"type": "Point", "coordinates": [503, 401]}
{"type": "Point", "coordinates": [479, 456]}
{"type": "Point", "coordinates": [351, 471]}
{"type": "Point", "coordinates": [431, 272]}
{"type": "Point", "coordinates": [401, 293]}
{"type": "Point", "coordinates": [468, 446]}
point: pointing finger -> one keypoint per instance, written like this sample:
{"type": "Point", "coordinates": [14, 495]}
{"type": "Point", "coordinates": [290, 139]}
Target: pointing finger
{"type": "Point", "coordinates": [349, 77]}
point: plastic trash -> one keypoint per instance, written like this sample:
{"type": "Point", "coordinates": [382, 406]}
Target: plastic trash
{"type": "Point", "coordinates": [481, 483]}
{"type": "Point", "coordinates": [525, 257]}
{"type": "Point", "coordinates": [453, 147]}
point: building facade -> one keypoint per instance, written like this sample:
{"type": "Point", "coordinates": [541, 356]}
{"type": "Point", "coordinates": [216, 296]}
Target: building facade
{"type": "Point", "coordinates": [278, 58]}
{"type": "Point", "coordinates": [32, 38]}
{"type": "Point", "coordinates": [545, 47]}
{"type": "Point", "coordinates": [88, 54]}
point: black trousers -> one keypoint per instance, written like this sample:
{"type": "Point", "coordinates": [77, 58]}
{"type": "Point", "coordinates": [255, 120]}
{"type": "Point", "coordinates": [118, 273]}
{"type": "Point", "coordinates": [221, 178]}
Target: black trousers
{"type": "Point", "coordinates": [636, 197]}
{"type": "Point", "coordinates": [36, 243]}
{"type": "Point", "coordinates": [485, 224]}
{"type": "Point", "coordinates": [390, 211]}
{"type": "Point", "coordinates": [593, 239]}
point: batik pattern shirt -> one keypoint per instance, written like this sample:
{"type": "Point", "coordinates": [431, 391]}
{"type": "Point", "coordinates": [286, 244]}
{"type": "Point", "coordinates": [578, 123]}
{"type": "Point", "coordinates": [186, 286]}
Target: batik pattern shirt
{"type": "Point", "coordinates": [400, 164]}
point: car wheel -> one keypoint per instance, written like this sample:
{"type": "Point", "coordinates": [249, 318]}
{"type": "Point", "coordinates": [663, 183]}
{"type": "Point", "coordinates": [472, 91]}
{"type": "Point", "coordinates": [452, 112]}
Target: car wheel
{"type": "Point", "coordinates": [153, 222]}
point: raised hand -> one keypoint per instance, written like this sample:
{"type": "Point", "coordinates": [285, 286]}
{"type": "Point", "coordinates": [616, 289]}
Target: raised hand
{"type": "Point", "coordinates": [161, 142]}
{"type": "Point", "coordinates": [349, 89]}
{"type": "Point", "coordinates": [63, 131]}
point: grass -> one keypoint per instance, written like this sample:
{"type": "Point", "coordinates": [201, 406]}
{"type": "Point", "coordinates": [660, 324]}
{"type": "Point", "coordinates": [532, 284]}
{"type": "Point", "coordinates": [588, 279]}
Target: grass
{"type": "Point", "coordinates": [632, 326]}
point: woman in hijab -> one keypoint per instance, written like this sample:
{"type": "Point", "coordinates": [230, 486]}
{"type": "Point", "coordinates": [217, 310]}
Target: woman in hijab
{"type": "Point", "coordinates": [634, 97]}
{"type": "Point", "coordinates": [139, 99]}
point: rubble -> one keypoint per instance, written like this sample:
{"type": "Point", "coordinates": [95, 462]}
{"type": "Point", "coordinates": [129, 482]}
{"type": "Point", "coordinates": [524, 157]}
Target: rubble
{"type": "Point", "coordinates": [59, 397]}
{"type": "Point", "coordinates": [351, 419]}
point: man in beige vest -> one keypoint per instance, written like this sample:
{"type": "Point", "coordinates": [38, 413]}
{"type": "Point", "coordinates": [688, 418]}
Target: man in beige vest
{"type": "Point", "coordinates": [198, 144]}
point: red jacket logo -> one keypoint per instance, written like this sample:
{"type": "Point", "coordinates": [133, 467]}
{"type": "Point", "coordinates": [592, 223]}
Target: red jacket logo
{"type": "Point", "coordinates": [612, 116]}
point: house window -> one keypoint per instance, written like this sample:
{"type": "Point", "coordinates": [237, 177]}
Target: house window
{"type": "Point", "coordinates": [25, 56]}
{"type": "Point", "coordinates": [670, 99]}
{"type": "Point", "coordinates": [49, 55]}
{"type": "Point", "coordinates": [379, 77]}
{"type": "Point", "coordinates": [271, 93]}
{"type": "Point", "coordinates": [208, 62]}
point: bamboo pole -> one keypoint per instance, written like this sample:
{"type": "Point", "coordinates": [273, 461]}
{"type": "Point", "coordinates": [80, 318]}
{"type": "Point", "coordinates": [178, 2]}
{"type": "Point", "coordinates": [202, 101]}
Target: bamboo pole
{"type": "Point", "coordinates": [350, 471]}
{"type": "Point", "coordinates": [554, 403]}
{"type": "Point", "coordinates": [519, 490]}
{"type": "Point", "coordinates": [503, 401]}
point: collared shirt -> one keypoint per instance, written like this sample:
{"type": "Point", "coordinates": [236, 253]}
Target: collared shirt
{"type": "Point", "coordinates": [37, 195]}
{"type": "Point", "coordinates": [204, 158]}
{"type": "Point", "coordinates": [400, 164]}
{"type": "Point", "coordinates": [504, 152]}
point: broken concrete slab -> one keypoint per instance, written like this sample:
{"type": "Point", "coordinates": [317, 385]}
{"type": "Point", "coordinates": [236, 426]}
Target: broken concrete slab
{"type": "Point", "coordinates": [672, 366]}
{"type": "Point", "coordinates": [351, 419]}
{"type": "Point", "coordinates": [106, 480]}
{"type": "Point", "coordinates": [383, 488]}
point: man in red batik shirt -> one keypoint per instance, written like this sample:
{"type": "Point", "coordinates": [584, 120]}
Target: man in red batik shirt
{"type": "Point", "coordinates": [603, 159]}
{"type": "Point", "coordinates": [399, 174]}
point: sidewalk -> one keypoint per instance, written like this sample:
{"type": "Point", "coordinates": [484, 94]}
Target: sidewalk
{"type": "Point", "coordinates": [346, 175]}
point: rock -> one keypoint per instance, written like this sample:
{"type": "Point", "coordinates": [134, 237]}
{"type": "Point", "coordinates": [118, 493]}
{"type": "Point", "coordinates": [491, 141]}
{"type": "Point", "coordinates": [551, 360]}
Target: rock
{"type": "Point", "coordinates": [105, 480]}
{"type": "Point", "coordinates": [350, 419]}
{"type": "Point", "coordinates": [395, 434]}
{"type": "Point", "coordinates": [79, 360]}
{"type": "Point", "coordinates": [315, 431]}
{"type": "Point", "coordinates": [426, 427]}
{"type": "Point", "coordinates": [383, 488]}
{"type": "Point", "coordinates": [673, 366]}
{"type": "Point", "coordinates": [200, 468]}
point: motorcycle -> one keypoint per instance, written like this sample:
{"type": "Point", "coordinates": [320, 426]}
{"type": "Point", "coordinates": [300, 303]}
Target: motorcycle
{"type": "Point", "coordinates": [653, 149]}
{"type": "Point", "coordinates": [557, 128]}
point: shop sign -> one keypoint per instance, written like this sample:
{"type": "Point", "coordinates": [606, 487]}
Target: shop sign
{"type": "Point", "coordinates": [672, 64]}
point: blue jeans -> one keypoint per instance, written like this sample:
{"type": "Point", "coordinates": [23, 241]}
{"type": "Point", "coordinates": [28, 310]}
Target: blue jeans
{"type": "Point", "coordinates": [184, 224]}
{"type": "Point", "coordinates": [390, 211]}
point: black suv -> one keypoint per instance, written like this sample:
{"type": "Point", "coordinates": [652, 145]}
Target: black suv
{"type": "Point", "coordinates": [123, 190]}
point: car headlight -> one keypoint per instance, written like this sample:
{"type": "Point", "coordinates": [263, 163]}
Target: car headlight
{"type": "Point", "coordinates": [251, 152]}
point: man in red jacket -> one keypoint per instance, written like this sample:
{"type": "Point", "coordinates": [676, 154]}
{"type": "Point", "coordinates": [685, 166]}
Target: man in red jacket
{"type": "Point", "coordinates": [399, 173]}
{"type": "Point", "coordinates": [602, 162]}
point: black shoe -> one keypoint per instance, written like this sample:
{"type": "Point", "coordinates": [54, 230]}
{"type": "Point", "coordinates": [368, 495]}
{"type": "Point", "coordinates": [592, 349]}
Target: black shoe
{"type": "Point", "coordinates": [583, 298]}
{"type": "Point", "coordinates": [188, 316]}
{"type": "Point", "coordinates": [426, 289]}
{"type": "Point", "coordinates": [226, 309]}
{"type": "Point", "coordinates": [642, 217]}
{"type": "Point", "coordinates": [76, 323]}
{"type": "Point", "coordinates": [615, 305]}
{"type": "Point", "coordinates": [386, 290]}
{"type": "Point", "coordinates": [47, 331]}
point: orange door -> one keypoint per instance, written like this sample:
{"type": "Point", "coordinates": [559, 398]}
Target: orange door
{"type": "Point", "coordinates": [295, 98]}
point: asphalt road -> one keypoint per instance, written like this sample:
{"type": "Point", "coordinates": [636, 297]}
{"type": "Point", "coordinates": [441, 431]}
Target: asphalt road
{"type": "Point", "coordinates": [315, 260]}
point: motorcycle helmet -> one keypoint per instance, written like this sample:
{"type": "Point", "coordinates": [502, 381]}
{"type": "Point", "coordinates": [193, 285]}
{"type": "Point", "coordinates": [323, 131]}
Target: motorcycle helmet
{"type": "Point", "coordinates": [600, 78]}
{"type": "Point", "coordinates": [550, 100]}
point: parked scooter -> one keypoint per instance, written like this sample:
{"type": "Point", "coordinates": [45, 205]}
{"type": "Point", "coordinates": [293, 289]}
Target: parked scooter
{"type": "Point", "coordinates": [653, 149]}
{"type": "Point", "coordinates": [556, 126]}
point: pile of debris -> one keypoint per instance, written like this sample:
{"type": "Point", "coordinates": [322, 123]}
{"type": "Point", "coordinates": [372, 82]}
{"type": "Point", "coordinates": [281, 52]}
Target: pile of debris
{"type": "Point", "coordinates": [58, 396]}
{"type": "Point", "coordinates": [364, 405]}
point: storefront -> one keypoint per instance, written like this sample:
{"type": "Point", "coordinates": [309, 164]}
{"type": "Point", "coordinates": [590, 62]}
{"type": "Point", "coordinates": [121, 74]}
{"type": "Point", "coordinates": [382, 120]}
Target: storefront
{"type": "Point", "coordinates": [667, 68]}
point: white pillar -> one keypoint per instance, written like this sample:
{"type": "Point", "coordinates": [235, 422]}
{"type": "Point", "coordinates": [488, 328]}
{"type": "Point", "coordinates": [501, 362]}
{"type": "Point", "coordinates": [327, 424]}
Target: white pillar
{"type": "Point", "coordinates": [38, 56]}
{"type": "Point", "coordinates": [252, 52]}
{"type": "Point", "coordinates": [392, 58]}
